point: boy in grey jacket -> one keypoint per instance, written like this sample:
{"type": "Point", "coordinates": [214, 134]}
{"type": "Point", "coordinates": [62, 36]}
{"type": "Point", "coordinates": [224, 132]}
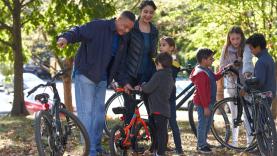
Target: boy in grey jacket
{"type": "Point", "coordinates": [159, 89]}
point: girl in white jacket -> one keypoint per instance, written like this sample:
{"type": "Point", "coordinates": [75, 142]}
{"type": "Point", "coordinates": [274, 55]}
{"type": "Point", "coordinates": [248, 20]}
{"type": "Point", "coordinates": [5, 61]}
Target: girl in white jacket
{"type": "Point", "coordinates": [236, 50]}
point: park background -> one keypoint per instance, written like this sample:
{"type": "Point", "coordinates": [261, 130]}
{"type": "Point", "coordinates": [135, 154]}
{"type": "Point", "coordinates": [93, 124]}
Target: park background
{"type": "Point", "coordinates": [28, 31]}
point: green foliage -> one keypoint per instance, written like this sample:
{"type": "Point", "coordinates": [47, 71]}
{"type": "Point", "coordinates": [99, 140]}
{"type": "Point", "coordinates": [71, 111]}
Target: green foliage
{"type": "Point", "coordinates": [63, 14]}
{"type": "Point", "coordinates": [205, 23]}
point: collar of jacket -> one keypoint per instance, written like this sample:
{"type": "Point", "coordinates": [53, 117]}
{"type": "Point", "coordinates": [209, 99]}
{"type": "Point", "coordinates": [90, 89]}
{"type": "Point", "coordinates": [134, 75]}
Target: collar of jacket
{"type": "Point", "coordinates": [153, 29]}
{"type": "Point", "coordinates": [112, 26]}
{"type": "Point", "coordinates": [263, 52]}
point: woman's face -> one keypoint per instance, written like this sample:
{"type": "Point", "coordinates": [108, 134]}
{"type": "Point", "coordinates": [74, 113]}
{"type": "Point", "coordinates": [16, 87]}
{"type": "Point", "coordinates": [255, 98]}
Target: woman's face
{"type": "Point", "coordinates": [235, 39]}
{"type": "Point", "coordinates": [147, 13]}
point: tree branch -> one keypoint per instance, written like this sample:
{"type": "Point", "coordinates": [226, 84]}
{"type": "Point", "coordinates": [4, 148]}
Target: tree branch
{"type": "Point", "coordinates": [5, 26]}
{"type": "Point", "coordinates": [5, 42]}
{"type": "Point", "coordinates": [8, 4]}
{"type": "Point", "coordinates": [27, 3]}
{"type": "Point", "coordinates": [24, 22]}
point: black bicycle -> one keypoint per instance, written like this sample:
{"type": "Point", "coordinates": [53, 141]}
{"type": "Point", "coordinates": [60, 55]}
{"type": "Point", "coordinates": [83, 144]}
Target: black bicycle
{"type": "Point", "coordinates": [259, 127]}
{"type": "Point", "coordinates": [117, 100]}
{"type": "Point", "coordinates": [58, 131]}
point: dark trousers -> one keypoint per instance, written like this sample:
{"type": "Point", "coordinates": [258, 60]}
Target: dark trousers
{"type": "Point", "coordinates": [159, 133]}
{"type": "Point", "coordinates": [173, 122]}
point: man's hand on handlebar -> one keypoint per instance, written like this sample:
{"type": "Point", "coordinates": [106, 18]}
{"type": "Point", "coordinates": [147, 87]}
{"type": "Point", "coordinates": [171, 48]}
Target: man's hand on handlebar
{"type": "Point", "coordinates": [127, 88]}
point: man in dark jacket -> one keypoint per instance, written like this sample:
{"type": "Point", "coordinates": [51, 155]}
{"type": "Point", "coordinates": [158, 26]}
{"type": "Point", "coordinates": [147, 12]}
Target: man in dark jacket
{"type": "Point", "coordinates": [103, 45]}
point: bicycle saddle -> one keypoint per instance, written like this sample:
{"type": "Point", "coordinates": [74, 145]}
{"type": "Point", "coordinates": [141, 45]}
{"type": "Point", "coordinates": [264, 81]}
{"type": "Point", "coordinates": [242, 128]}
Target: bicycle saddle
{"type": "Point", "coordinates": [119, 110]}
{"type": "Point", "coordinates": [43, 97]}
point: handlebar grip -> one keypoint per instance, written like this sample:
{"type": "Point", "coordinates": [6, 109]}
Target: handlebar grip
{"type": "Point", "coordinates": [34, 89]}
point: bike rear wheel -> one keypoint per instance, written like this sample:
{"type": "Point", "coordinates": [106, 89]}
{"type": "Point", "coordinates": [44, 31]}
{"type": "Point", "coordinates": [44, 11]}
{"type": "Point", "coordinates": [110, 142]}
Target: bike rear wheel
{"type": "Point", "coordinates": [266, 131]}
{"type": "Point", "coordinates": [222, 127]}
{"type": "Point", "coordinates": [117, 138]}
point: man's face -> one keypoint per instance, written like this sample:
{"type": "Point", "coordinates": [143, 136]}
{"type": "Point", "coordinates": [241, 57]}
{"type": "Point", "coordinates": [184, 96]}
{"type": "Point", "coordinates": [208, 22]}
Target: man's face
{"type": "Point", "coordinates": [255, 51]}
{"type": "Point", "coordinates": [124, 25]}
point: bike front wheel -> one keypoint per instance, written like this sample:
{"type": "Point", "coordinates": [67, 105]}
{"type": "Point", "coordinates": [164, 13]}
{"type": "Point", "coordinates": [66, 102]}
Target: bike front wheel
{"type": "Point", "coordinates": [231, 136]}
{"type": "Point", "coordinates": [266, 131]}
{"type": "Point", "coordinates": [63, 136]}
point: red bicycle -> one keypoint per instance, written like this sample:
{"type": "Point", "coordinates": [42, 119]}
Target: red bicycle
{"type": "Point", "coordinates": [135, 135]}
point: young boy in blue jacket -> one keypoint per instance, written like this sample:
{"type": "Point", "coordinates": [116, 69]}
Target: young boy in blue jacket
{"type": "Point", "coordinates": [264, 69]}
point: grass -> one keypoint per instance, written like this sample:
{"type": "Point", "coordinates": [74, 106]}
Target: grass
{"type": "Point", "coordinates": [17, 139]}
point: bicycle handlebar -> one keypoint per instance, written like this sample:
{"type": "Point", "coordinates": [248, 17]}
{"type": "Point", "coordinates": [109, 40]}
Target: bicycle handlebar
{"type": "Point", "coordinates": [49, 83]}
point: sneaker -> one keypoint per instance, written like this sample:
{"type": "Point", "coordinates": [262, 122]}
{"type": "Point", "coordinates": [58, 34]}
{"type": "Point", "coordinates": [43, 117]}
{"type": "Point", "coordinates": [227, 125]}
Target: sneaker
{"type": "Point", "coordinates": [179, 152]}
{"type": "Point", "coordinates": [204, 150]}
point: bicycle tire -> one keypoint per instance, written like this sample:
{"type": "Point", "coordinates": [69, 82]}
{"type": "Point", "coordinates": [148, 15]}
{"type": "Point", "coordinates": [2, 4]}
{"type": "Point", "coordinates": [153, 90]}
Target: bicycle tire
{"type": "Point", "coordinates": [109, 125]}
{"type": "Point", "coordinates": [191, 119]}
{"type": "Point", "coordinates": [116, 140]}
{"type": "Point", "coordinates": [43, 117]}
{"type": "Point", "coordinates": [265, 123]}
{"type": "Point", "coordinates": [59, 145]}
{"type": "Point", "coordinates": [226, 137]}
{"type": "Point", "coordinates": [71, 124]}
{"type": "Point", "coordinates": [142, 142]}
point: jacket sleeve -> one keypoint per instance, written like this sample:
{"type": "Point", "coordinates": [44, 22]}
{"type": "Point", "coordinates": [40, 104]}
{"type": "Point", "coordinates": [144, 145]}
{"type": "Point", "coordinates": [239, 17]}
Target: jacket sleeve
{"type": "Point", "coordinates": [202, 83]}
{"type": "Point", "coordinates": [154, 54]}
{"type": "Point", "coordinates": [247, 61]}
{"type": "Point", "coordinates": [218, 75]}
{"type": "Point", "coordinates": [151, 85]}
{"type": "Point", "coordinates": [80, 33]}
{"type": "Point", "coordinates": [260, 73]}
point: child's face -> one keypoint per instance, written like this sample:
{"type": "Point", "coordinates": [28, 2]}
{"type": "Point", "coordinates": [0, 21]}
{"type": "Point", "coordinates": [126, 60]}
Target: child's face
{"type": "Point", "coordinates": [208, 61]}
{"type": "Point", "coordinates": [256, 50]}
{"type": "Point", "coordinates": [235, 39]}
{"type": "Point", "coordinates": [165, 47]}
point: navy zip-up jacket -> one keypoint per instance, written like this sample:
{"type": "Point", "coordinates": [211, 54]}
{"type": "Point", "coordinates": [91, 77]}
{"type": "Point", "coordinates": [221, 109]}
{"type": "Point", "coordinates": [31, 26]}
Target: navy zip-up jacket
{"type": "Point", "coordinates": [94, 56]}
{"type": "Point", "coordinates": [265, 72]}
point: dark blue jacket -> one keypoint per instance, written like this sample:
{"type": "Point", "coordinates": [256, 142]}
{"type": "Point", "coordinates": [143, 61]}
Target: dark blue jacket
{"type": "Point", "coordinates": [265, 72]}
{"type": "Point", "coordinates": [94, 56]}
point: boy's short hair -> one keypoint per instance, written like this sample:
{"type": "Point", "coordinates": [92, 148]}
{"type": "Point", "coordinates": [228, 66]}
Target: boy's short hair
{"type": "Point", "coordinates": [256, 40]}
{"type": "Point", "coordinates": [164, 59]}
{"type": "Point", "coordinates": [203, 53]}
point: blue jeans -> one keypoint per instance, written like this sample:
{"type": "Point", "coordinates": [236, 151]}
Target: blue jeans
{"type": "Point", "coordinates": [90, 102]}
{"type": "Point", "coordinates": [204, 126]}
{"type": "Point", "coordinates": [173, 122]}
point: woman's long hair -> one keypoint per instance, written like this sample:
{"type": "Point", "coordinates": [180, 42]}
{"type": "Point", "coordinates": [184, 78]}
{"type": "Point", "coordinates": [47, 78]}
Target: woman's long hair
{"type": "Point", "coordinates": [237, 30]}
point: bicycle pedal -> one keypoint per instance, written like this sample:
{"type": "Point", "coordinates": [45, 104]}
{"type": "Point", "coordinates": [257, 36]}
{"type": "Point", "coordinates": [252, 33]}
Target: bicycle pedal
{"type": "Point", "coordinates": [237, 122]}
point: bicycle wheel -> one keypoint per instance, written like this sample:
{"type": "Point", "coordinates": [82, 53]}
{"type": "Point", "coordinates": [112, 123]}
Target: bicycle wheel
{"type": "Point", "coordinates": [192, 117]}
{"type": "Point", "coordinates": [116, 141]}
{"type": "Point", "coordinates": [75, 139]}
{"type": "Point", "coordinates": [142, 142]}
{"type": "Point", "coordinates": [112, 119]}
{"type": "Point", "coordinates": [223, 130]}
{"type": "Point", "coordinates": [266, 131]}
{"type": "Point", "coordinates": [43, 133]}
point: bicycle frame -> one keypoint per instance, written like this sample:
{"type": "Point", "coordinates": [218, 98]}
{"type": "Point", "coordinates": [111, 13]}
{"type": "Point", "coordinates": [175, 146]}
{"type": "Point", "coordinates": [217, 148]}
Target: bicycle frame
{"type": "Point", "coordinates": [136, 119]}
{"type": "Point", "coordinates": [186, 97]}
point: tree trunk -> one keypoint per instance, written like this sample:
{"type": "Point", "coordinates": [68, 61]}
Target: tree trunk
{"type": "Point", "coordinates": [68, 63]}
{"type": "Point", "coordinates": [18, 108]}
